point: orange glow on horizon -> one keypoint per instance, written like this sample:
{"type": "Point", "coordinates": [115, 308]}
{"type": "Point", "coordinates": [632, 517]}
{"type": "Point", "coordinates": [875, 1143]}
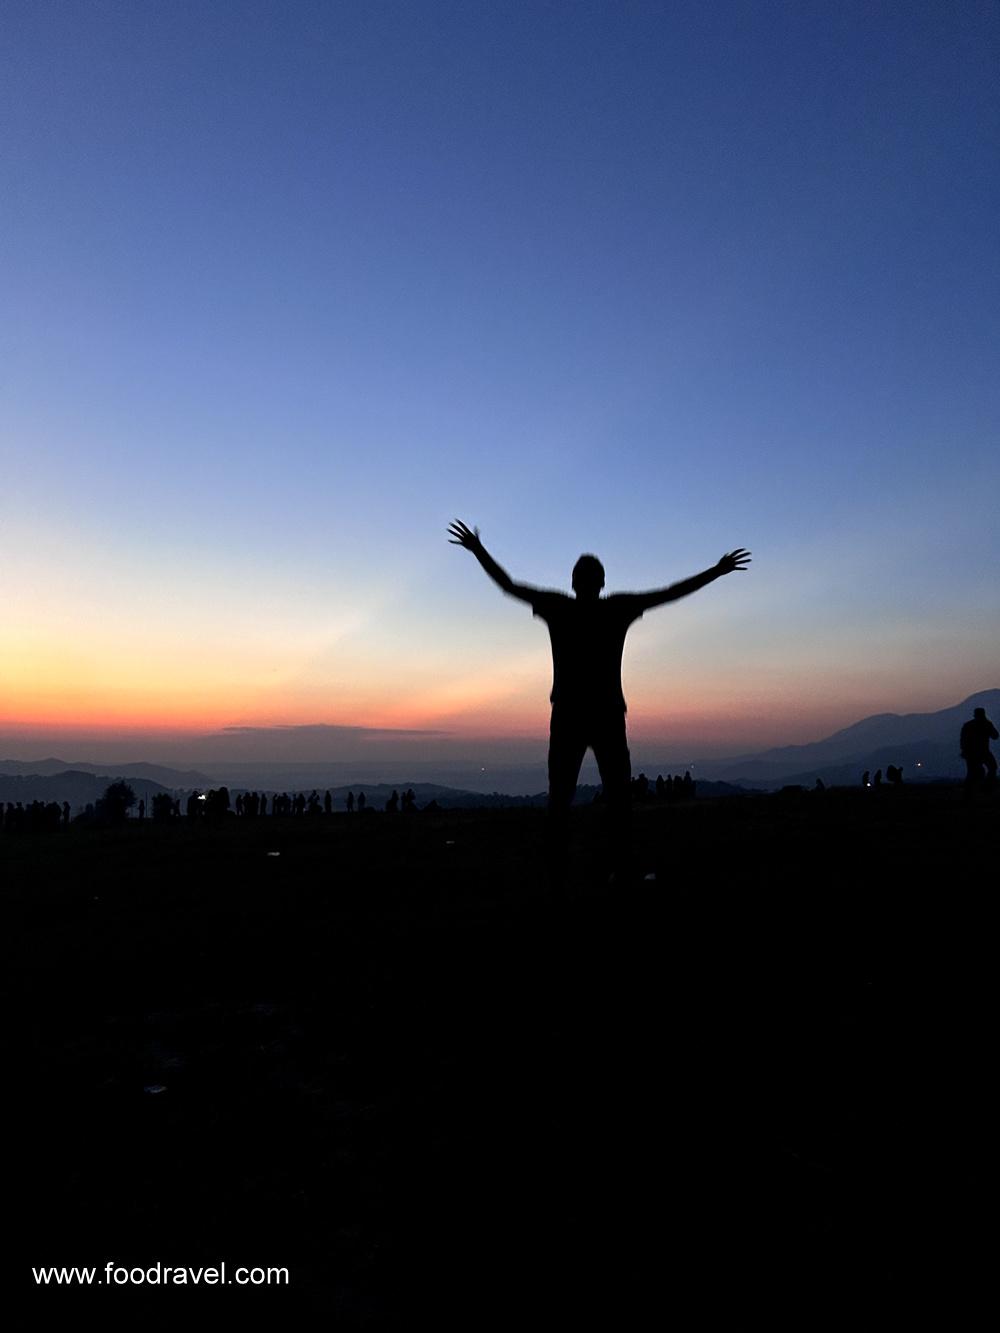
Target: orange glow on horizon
{"type": "Point", "coordinates": [507, 701]}
{"type": "Point", "coordinates": [479, 725]}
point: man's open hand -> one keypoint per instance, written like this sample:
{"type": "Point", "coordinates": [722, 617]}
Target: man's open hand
{"type": "Point", "coordinates": [461, 535]}
{"type": "Point", "coordinates": [738, 559]}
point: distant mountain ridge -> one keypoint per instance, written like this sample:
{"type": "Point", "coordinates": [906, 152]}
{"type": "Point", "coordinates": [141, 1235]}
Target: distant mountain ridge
{"type": "Point", "coordinates": [925, 744]}
{"type": "Point", "coordinates": [181, 779]}
{"type": "Point", "coordinates": [73, 785]}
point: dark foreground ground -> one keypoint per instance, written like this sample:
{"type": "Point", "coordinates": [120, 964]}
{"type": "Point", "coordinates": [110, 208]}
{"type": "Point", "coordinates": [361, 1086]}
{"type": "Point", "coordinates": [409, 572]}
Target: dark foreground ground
{"type": "Point", "coordinates": [750, 1091]}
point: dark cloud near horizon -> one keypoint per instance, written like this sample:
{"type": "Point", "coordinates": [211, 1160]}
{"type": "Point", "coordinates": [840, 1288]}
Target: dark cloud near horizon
{"type": "Point", "coordinates": [325, 730]}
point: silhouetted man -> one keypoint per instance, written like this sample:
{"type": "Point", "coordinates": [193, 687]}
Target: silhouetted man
{"type": "Point", "coordinates": [588, 707]}
{"type": "Point", "coordinates": [974, 741]}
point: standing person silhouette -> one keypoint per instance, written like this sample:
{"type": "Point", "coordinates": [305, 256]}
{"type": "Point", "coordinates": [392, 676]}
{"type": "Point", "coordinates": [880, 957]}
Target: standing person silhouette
{"type": "Point", "coordinates": [974, 743]}
{"type": "Point", "coordinates": [588, 707]}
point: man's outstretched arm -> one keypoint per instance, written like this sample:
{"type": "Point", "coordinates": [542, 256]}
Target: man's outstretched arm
{"type": "Point", "coordinates": [734, 560]}
{"type": "Point", "coordinates": [461, 535]}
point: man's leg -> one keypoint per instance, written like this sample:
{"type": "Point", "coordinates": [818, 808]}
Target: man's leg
{"type": "Point", "coordinates": [567, 746]}
{"type": "Point", "coordinates": [611, 752]}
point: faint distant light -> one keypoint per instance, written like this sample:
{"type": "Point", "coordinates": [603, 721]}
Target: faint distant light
{"type": "Point", "coordinates": [919, 764]}
{"type": "Point", "coordinates": [202, 798]}
{"type": "Point", "coordinates": [868, 784]}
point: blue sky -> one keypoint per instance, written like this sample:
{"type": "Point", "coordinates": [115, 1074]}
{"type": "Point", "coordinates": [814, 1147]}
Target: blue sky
{"type": "Point", "coordinates": [286, 287]}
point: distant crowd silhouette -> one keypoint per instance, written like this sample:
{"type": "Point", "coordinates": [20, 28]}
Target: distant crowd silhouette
{"type": "Point", "coordinates": [673, 787]}
{"type": "Point", "coordinates": [34, 817]}
{"type": "Point", "coordinates": [218, 803]}
{"type": "Point", "coordinates": [893, 777]}
{"type": "Point", "coordinates": [215, 803]}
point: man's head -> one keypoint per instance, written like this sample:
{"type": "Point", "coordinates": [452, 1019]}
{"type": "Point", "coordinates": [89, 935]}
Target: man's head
{"type": "Point", "coordinates": [979, 712]}
{"type": "Point", "coordinates": [588, 577]}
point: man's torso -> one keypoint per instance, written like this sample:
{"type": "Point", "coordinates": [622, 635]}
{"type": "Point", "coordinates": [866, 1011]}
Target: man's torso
{"type": "Point", "coordinates": [588, 637]}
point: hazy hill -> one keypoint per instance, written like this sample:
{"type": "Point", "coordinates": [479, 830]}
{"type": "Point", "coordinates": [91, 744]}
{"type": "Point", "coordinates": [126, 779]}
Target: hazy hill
{"type": "Point", "coordinates": [929, 740]}
{"type": "Point", "coordinates": [74, 785]}
{"type": "Point", "coordinates": [177, 779]}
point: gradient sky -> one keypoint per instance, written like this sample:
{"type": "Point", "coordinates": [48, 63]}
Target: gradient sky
{"type": "Point", "coordinates": [285, 287]}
